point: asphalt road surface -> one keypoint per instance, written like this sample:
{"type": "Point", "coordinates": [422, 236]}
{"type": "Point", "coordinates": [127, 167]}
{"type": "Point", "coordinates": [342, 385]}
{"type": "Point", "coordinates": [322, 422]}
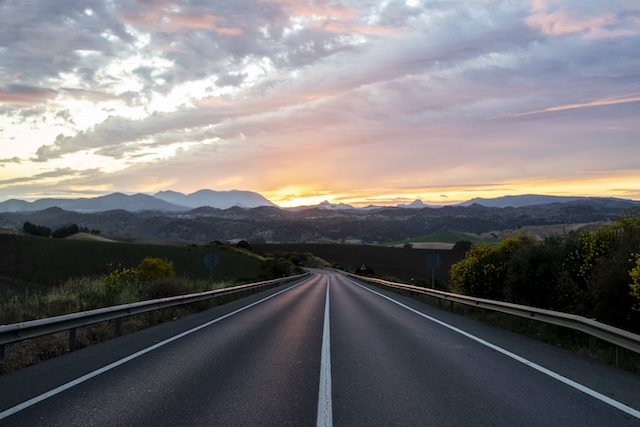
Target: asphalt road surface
{"type": "Point", "coordinates": [325, 351]}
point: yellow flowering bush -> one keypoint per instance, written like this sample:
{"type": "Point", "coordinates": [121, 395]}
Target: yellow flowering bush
{"type": "Point", "coordinates": [483, 270]}
{"type": "Point", "coordinates": [151, 269]}
{"type": "Point", "coordinates": [118, 280]}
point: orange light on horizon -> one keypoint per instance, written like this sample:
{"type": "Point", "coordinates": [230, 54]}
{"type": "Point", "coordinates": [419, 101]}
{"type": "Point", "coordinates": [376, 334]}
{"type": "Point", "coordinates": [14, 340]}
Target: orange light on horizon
{"type": "Point", "coordinates": [625, 185]}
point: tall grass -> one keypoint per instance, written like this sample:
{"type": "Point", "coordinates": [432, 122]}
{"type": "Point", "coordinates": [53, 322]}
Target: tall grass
{"type": "Point", "coordinates": [88, 293]}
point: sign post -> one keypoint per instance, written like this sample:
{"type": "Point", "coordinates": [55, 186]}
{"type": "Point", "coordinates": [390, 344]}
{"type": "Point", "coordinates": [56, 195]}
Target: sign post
{"type": "Point", "coordinates": [433, 260]}
{"type": "Point", "coordinates": [211, 259]}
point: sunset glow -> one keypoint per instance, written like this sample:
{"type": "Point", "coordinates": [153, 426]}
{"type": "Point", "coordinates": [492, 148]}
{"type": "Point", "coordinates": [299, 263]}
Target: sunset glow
{"type": "Point", "coordinates": [304, 102]}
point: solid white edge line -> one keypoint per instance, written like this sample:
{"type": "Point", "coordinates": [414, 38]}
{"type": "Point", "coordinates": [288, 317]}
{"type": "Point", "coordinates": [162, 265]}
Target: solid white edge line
{"type": "Point", "coordinates": [122, 361]}
{"type": "Point", "coordinates": [621, 406]}
{"type": "Point", "coordinates": [325, 411]}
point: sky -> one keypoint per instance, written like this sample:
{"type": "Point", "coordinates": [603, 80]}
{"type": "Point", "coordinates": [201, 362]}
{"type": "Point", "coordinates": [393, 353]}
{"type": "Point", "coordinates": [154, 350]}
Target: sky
{"type": "Point", "coordinates": [355, 101]}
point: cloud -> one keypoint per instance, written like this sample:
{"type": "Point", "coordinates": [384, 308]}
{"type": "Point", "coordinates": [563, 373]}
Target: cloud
{"type": "Point", "coordinates": [380, 94]}
{"type": "Point", "coordinates": [57, 173]}
{"type": "Point", "coordinates": [24, 96]}
{"type": "Point", "coordinates": [11, 160]}
{"type": "Point", "coordinates": [566, 21]}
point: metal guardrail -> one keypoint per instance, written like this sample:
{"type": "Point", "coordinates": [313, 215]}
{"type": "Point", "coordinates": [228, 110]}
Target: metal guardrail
{"type": "Point", "coordinates": [69, 322]}
{"type": "Point", "coordinates": [619, 337]}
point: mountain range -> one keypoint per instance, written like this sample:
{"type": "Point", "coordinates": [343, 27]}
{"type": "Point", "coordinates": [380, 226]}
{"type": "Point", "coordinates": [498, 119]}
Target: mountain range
{"type": "Point", "coordinates": [148, 217]}
{"type": "Point", "coordinates": [172, 201]}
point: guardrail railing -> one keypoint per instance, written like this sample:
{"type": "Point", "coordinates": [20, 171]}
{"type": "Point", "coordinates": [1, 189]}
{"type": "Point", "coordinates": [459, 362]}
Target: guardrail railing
{"type": "Point", "coordinates": [619, 337]}
{"type": "Point", "coordinates": [16, 332]}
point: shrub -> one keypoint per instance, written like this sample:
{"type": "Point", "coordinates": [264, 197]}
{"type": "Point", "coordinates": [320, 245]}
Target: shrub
{"type": "Point", "coordinates": [533, 275]}
{"type": "Point", "coordinates": [168, 287]}
{"type": "Point", "coordinates": [483, 270]}
{"type": "Point", "coordinates": [151, 269]}
{"type": "Point", "coordinates": [634, 273]}
{"type": "Point", "coordinates": [243, 244]}
{"type": "Point", "coordinates": [274, 268]}
{"type": "Point", "coordinates": [120, 282]}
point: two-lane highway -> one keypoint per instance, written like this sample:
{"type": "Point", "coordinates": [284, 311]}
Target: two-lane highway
{"type": "Point", "coordinates": [326, 351]}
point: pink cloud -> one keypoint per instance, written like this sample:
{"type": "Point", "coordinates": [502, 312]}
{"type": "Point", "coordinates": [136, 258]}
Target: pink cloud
{"type": "Point", "coordinates": [168, 17]}
{"type": "Point", "coordinates": [24, 96]}
{"type": "Point", "coordinates": [565, 21]}
{"type": "Point", "coordinates": [329, 17]}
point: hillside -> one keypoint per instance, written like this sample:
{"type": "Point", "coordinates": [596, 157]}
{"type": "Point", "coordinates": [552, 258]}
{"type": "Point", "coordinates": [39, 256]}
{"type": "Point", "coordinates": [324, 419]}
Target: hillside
{"type": "Point", "coordinates": [269, 224]}
{"type": "Point", "coordinates": [27, 261]}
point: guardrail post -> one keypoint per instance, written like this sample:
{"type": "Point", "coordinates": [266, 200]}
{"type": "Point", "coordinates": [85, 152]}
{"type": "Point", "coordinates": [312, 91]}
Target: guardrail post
{"type": "Point", "coordinates": [72, 339]}
{"type": "Point", "coordinates": [509, 322]}
{"type": "Point", "coordinates": [1, 357]}
{"type": "Point", "coordinates": [451, 306]}
{"type": "Point", "coordinates": [118, 326]}
{"type": "Point", "coordinates": [466, 310]}
{"type": "Point", "coordinates": [483, 314]}
{"type": "Point", "coordinates": [150, 318]}
{"type": "Point", "coordinates": [541, 331]}
{"type": "Point", "coordinates": [619, 357]}
{"type": "Point", "coordinates": [592, 345]}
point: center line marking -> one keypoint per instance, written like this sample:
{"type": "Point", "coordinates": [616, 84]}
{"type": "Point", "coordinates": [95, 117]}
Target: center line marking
{"type": "Point", "coordinates": [325, 411]}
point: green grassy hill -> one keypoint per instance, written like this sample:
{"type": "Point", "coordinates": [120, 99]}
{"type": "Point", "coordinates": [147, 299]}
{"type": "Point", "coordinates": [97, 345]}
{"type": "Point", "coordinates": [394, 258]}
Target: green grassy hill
{"type": "Point", "coordinates": [28, 260]}
{"type": "Point", "coordinates": [440, 238]}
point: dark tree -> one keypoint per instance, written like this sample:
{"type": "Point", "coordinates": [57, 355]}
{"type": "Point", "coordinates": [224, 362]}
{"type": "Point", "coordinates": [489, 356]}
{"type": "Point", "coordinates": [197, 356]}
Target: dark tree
{"type": "Point", "coordinates": [63, 232]}
{"type": "Point", "coordinates": [36, 230]}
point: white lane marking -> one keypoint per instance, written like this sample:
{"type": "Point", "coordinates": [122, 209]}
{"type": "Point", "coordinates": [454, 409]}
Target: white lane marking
{"type": "Point", "coordinates": [325, 411]}
{"type": "Point", "coordinates": [621, 406]}
{"type": "Point", "coordinates": [117, 363]}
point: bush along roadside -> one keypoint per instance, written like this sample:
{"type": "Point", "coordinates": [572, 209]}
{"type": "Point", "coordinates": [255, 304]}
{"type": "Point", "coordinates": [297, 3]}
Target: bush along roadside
{"type": "Point", "coordinates": [594, 274]}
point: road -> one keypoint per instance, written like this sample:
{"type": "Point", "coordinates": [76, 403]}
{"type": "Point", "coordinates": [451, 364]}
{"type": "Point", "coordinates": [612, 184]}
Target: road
{"type": "Point", "coordinates": [326, 351]}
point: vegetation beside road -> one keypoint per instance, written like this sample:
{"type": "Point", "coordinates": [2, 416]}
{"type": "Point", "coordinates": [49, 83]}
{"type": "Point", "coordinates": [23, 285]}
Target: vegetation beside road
{"type": "Point", "coordinates": [595, 273]}
{"type": "Point", "coordinates": [113, 283]}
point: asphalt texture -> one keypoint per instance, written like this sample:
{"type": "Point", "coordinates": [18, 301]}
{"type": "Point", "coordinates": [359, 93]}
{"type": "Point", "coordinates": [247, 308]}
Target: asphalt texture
{"type": "Point", "coordinates": [261, 367]}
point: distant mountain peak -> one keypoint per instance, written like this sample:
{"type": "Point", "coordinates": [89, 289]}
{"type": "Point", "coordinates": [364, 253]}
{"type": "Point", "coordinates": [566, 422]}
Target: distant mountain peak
{"type": "Point", "coordinates": [214, 199]}
{"type": "Point", "coordinates": [416, 204]}
{"type": "Point", "coordinates": [161, 201]}
{"type": "Point", "coordinates": [537, 199]}
{"type": "Point", "coordinates": [334, 206]}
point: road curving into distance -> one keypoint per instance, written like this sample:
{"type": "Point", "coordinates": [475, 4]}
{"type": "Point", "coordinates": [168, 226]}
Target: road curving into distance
{"type": "Point", "coordinates": [324, 351]}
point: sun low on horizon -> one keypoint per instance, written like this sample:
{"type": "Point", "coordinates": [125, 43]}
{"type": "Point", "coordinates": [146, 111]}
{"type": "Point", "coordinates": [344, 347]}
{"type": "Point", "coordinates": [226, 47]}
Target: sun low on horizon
{"type": "Point", "coordinates": [378, 103]}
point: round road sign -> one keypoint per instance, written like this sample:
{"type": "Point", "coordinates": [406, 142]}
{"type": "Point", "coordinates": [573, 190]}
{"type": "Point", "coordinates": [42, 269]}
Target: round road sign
{"type": "Point", "coordinates": [433, 259]}
{"type": "Point", "coordinates": [211, 259]}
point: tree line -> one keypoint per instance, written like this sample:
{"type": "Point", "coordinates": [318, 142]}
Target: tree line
{"type": "Point", "coordinates": [594, 273]}
{"type": "Point", "coordinates": [60, 233]}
